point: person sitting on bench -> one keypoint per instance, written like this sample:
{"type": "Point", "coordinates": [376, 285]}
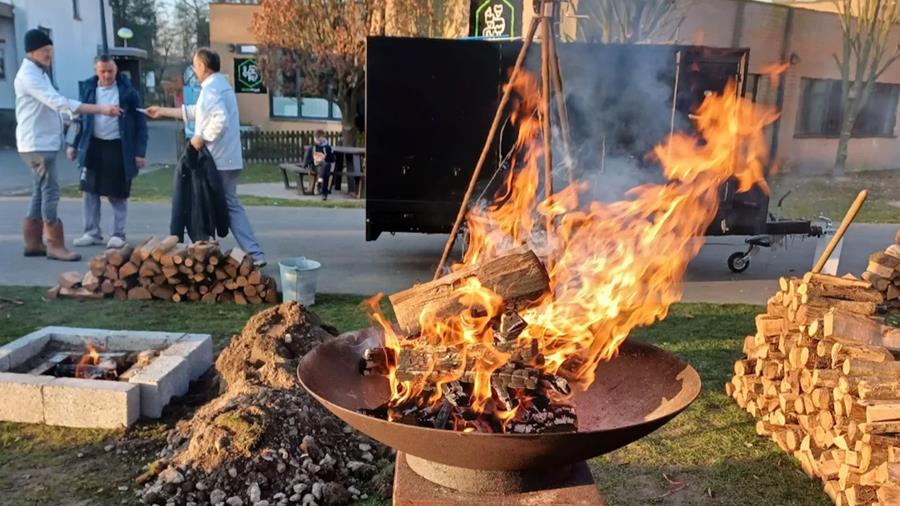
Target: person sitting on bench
{"type": "Point", "coordinates": [319, 158]}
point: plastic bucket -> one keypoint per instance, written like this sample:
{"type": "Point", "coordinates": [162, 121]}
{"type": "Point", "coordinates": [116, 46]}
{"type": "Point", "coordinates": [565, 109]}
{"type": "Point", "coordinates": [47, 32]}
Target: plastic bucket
{"type": "Point", "coordinates": [298, 279]}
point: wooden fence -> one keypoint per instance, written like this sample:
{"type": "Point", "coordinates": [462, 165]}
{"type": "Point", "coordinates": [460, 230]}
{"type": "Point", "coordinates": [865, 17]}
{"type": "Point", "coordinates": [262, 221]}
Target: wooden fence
{"type": "Point", "coordinates": [279, 147]}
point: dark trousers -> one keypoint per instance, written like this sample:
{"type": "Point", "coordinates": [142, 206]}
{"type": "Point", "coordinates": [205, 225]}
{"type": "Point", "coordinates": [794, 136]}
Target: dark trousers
{"type": "Point", "coordinates": [323, 172]}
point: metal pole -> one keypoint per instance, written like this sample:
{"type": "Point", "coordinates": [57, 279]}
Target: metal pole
{"type": "Point", "coordinates": [103, 26]}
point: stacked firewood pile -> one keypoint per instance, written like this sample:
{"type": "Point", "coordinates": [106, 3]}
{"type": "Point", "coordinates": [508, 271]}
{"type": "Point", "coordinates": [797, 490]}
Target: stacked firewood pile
{"type": "Point", "coordinates": [820, 376]}
{"type": "Point", "coordinates": [163, 268]}
{"type": "Point", "coordinates": [882, 273]}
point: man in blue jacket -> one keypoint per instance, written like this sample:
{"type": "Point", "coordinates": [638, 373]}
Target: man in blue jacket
{"type": "Point", "coordinates": [109, 150]}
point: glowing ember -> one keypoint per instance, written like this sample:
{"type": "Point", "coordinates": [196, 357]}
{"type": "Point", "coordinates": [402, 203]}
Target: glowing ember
{"type": "Point", "coordinates": [613, 266]}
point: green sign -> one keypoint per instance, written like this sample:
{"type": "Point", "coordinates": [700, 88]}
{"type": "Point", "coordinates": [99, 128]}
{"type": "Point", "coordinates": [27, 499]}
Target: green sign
{"type": "Point", "coordinates": [247, 77]}
{"type": "Point", "coordinates": [495, 18]}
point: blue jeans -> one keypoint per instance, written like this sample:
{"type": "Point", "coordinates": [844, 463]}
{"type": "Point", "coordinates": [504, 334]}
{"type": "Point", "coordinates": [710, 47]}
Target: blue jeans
{"type": "Point", "coordinates": [45, 185]}
{"type": "Point", "coordinates": [237, 216]}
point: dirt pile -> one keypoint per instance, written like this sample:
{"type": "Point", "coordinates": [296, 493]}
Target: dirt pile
{"type": "Point", "coordinates": [264, 441]}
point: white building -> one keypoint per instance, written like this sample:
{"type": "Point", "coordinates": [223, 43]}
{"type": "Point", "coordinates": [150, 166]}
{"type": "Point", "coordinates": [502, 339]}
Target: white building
{"type": "Point", "coordinates": [74, 26]}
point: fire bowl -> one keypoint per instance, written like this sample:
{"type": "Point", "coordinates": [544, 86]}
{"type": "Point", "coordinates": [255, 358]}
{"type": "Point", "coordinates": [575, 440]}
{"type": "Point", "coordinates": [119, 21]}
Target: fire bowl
{"type": "Point", "coordinates": [634, 394]}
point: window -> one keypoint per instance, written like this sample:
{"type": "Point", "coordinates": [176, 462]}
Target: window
{"type": "Point", "coordinates": [286, 102]}
{"type": "Point", "coordinates": [821, 114]}
{"type": "Point", "coordinates": [76, 10]}
{"type": "Point", "coordinates": [2, 59]}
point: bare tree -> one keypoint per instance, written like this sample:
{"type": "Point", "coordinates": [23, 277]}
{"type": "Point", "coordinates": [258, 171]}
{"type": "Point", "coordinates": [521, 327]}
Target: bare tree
{"type": "Point", "coordinates": [866, 53]}
{"type": "Point", "coordinates": [630, 21]}
{"type": "Point", "coordinates": [318, 47]}
{"type": "Point", "coordinates": [192, 18]}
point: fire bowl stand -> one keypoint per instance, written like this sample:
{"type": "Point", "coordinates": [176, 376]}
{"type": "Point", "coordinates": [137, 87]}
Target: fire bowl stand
{"type": "Point", "coordinates": [418, 481]}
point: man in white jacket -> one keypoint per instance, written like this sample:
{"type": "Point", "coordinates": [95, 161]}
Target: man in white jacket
{"type": "Point", "coordinates": [39, 137]}
{"type": "Point", "coordinates": [217, 126]}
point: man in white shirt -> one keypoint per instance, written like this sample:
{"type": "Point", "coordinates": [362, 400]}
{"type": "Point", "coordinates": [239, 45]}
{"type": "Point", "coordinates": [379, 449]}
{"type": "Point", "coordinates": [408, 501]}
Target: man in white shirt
{"type": "Point", "coordinates": [39, 136]}
{"type": "Point", "coordinates": [217, 126]}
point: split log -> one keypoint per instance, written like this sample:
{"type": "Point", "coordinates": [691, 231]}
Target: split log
{"type": "Point", "coordinates": [163, 247]}
{"type": "Point", "coordinates": [145, 250]}
{"type": "Point", "coordinates": [69, 279]}
{"type": "Point", "coordinates": [883, 265]}
{"type": "Point", "coordinates": [111, 272]}
{"type": "Point", "coordinates": [878, 282]}
{"type": "Point", "coordinates": [824, 285]}
{"type": "Point", "coordinates": [515, 278]}
{"type": "Point", "coordinates": [128, 269]}
{"type": "Point", "coordinates": [90, 281]}
{"type": "Point", "coordinates": [175, 256]}
{"type": "Point", "coordinates": [161, 292]}
{"type": "Point", "coordinates": [98, 265]}
{"type": "Point", "coordinates": [118, 257]}
{"type": "Point", "coordinates": [139, 293]}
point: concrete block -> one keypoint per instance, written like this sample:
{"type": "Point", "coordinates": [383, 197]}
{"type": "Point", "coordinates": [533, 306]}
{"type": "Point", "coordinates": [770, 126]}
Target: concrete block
{"type": "Point", "coordinates": [22, 349]}
{"type": "Point", "coordinates": [164, 378]}
{"type": "Point", "coordinates": [101, 404]}
{"type": "Point", "coordinates": [21, 399]}
{"type": "Point", "coordinates": [76, 336]}
{"type": "Point", "coordinates": [197, 349]}
{"type": "Point", "coordinates": [132, 340]}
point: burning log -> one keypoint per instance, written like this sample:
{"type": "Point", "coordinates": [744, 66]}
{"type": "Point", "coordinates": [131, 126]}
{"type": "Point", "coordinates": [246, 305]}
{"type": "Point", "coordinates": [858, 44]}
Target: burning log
{"type": "Point", "coordinates": [517, 278]}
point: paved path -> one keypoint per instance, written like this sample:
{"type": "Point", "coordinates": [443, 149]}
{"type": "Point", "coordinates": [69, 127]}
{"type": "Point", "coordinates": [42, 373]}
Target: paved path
{"type": "Point", "coordinates": [15, 177]}
{"type": "Point", "coordinates": [351, 265]}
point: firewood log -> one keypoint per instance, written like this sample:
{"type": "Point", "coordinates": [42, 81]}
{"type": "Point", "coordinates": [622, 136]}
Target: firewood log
{"type": "Point", "coordinates": [231, 271]}
{"type": "Point", "coordinates": [174, 256]}
{"type": "Point", "coordinates": [127, 269]}
{"type": "Point", "coordinates": [239, 298]}
{"type": "Point", "coordinates": [254, 278]}
{"type": "Point", "coordinates": [98, 265]}
{"type": "Point", "coordinates": [161, 292]}
{"type": "Point", "coordinates": [120, 293]}
{"type": "Point", "coordinates": [148, 269]}
{"type": "Point", "coordinates": [79, 293]}
{"type": "Point", "coordinates": [107, 287]}
{"type": "Point", "coordinates": [139, 293]}
{"type": "Point", "coordinates": [111, 272]}
{"type": "Point", "coordinates": [883, 265]}
{"type": "Point", "coordinates": [208, 298]}
{"type": "Point", "coordinates": [189, 262]}
{"type": "Point", "coordinates": [858, 367]}
{"type": "Point", "coordinates": [170, 271]}
{"type": "Point", "coordinates": [70, 279]}
{"type": "Point", "coordinates": [145, 250]}
{"type": "Point", "coordinates": [246, 267]}
{"type": "Point", "coordinates": [193, 295]}
{"type": "Point", "coordinates": [182, 289]}
{"type": "Point", "coordinates": [201, 250]}
{"type": "Point", "coordinates": [824, 285]}
{"type": "Point", "coordinates": [90, 281]}
{"type": "Point", "coordinates": [513, 277]}
{"type": "Point", "coordinates": [255, 300]}
{"type": "Point", "coordinates": [878, 282]}
{"type": "Point", "coordinates": [119, 256]}
{"type": "Point", "coordinates": [163, 246]}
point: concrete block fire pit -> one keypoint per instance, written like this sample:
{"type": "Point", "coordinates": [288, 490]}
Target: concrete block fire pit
{"type": "Point", "coordinates": [137, 374]}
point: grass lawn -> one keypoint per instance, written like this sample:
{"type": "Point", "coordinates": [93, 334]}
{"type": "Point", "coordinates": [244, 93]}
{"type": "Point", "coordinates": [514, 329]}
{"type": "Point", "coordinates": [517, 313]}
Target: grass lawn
{"type": "Point", "coordinates": [814, 195]}
{"type": "Point", "coordinates": [156, 186]}
{"type": "Point", "coordinates": [711, 448]}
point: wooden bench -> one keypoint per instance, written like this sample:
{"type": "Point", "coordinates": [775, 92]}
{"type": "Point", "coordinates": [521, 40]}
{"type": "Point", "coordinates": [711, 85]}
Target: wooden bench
{"type": "Point", "coordinates": [300, 172]}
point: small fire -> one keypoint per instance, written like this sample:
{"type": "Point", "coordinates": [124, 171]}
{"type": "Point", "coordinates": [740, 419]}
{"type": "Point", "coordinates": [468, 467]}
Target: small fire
{"type": "Point", "coordinates": [613, 266]}
{"type": "Point", "coordinates": [92, 357]}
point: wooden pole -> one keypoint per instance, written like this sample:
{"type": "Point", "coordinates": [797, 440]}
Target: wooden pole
{"type": "Point", "coordinates": [839, 234]}
{"type": "Point", "coordinates": [498, 116]}
{"type": "Point", "coordinates": [546, 128]}
{"type": "Point", "coordinates": [556, 75]}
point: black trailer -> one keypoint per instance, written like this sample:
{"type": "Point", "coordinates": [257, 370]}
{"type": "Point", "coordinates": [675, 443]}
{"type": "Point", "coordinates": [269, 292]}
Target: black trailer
{"type": "Point", "coordinates": [429, 104]}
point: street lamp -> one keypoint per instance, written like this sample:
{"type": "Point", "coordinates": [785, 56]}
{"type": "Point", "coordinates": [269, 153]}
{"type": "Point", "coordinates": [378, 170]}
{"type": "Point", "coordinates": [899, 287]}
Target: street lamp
{"type": "Point", "coordinates": [125, 33]}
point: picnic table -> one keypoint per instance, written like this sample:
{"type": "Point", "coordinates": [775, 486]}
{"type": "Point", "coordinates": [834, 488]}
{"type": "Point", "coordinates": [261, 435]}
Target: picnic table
{"type": "Point", "coordinates": [349, 162]}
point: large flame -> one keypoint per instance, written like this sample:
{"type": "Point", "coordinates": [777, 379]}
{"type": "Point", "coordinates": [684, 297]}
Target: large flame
{"type": "Point", "coordinates": [613, 266]}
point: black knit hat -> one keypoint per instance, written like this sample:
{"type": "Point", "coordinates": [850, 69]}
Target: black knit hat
{"type": "Point", "coordinates": [36, 39]}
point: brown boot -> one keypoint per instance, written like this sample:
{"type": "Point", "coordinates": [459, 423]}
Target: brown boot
{"type": "Point", "coordinates": [56, 243]}
{"type": "Point", "coordinates": [32, 229]}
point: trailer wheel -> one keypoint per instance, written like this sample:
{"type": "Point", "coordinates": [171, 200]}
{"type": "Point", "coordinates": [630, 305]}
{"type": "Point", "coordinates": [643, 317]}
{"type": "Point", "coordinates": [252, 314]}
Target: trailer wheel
{"type": "Point", "coordinates": [738, 262]}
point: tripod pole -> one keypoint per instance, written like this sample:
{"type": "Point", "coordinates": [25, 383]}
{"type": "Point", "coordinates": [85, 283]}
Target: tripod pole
{"type": "Point", "coordinates": [498, 116]}
{"type": "Point", "coordinates": [556, 76]}
{"type": "Point", "coordinates": [546, 16]}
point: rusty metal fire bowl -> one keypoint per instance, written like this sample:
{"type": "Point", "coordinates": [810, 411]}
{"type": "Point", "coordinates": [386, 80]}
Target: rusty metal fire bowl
{"type": "Point", "coordinates": [634, 394]}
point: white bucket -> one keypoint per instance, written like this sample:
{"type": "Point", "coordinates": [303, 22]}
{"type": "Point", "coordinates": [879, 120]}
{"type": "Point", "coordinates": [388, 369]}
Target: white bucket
{"type": "Point", "coordinates": [298, 279]}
